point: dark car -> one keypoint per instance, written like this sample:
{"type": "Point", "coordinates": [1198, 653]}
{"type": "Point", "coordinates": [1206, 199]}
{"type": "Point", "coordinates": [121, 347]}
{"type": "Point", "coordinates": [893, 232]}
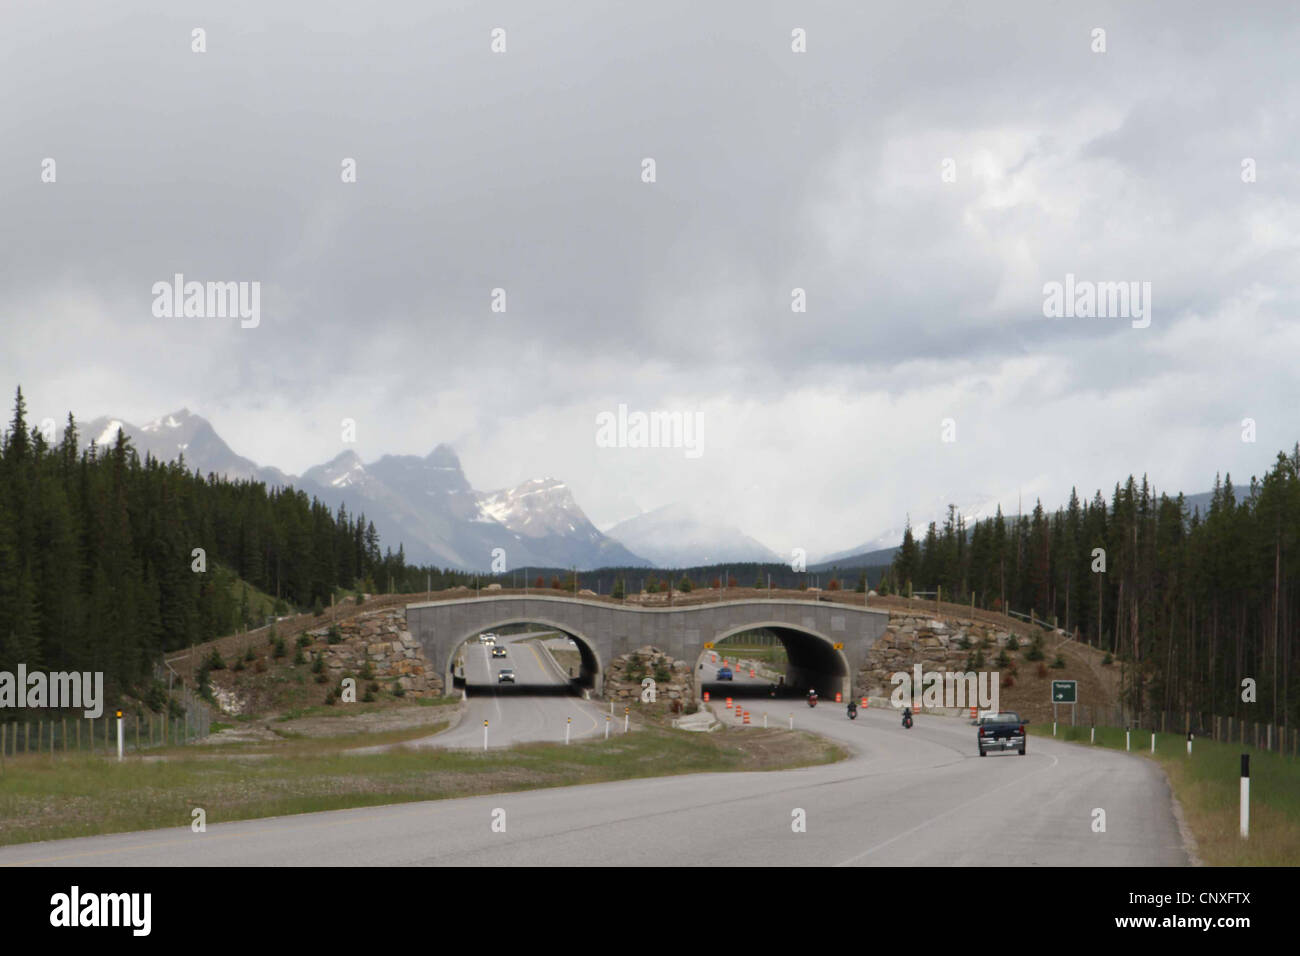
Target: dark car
{"type": "Point", "coordinates": [506, 676]}
{"type": "Point", "coordinates": [1002, 731]}
{"type": "Point", "coordinates": [498, 652]}
{"type": "Point", "coordinates": [724, 673]}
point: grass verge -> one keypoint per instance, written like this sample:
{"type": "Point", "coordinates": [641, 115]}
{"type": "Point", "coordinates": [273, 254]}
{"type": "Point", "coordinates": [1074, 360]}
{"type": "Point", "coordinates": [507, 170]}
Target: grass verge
{"type": "Point", "coordinates": [44, 799]}
{"type": "Point", "coordinates": [1207, 785]}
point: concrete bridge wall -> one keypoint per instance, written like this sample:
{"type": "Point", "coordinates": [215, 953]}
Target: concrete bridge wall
{"type": "Point", "coordinates": [812, 630]}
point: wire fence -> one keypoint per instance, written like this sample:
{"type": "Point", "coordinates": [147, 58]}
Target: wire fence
{"type": "Point", "coordinates": [1253, 734]}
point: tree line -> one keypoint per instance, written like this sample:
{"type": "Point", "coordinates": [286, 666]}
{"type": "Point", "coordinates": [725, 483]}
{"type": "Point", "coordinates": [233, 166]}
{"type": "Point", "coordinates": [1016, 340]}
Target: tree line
{"type": "Point", "coordinates": [1192, 604]}
{"type": "Point", "coordinates": [98, 563]}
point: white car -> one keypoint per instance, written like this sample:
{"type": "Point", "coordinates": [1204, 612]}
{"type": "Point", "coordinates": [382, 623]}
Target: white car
{"type": "Point", "coordinates": [488, 638]}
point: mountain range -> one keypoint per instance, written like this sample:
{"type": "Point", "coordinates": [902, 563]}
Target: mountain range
{"type": "Point", "coordinates": [428, 506]}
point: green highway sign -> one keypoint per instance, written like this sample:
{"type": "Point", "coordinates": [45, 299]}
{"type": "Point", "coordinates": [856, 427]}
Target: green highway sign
{"type": "Point", "coordinates": [1065, 691]}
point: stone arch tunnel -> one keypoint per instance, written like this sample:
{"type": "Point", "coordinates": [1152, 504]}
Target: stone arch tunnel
{"type": "Point", "coordinates": [826, 642]}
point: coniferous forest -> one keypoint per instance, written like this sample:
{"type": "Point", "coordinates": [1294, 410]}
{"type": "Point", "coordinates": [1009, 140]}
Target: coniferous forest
{"type": "Point", "coordinates": [98, 564]}
{"type": "Point", "coordinates": [1191, 605]}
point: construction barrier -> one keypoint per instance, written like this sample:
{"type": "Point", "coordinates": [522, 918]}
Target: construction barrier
{"type": "Point", "coordinates": [746, 716]}
{"type": "Point", "coordinates": [839, 698]}
{"type": "Point", "coordinates": [706, 696]}
{"type": "Point", "coordinates": [728, 703]}
{"type": "Point", "coordinates": [972, 713]}
{"type": "Point", "coordinates": [751, 672]}
{"type": "Point", "coordinates": [865, 703]}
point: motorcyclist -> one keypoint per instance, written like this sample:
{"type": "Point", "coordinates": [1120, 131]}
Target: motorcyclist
{"type": "Point", "coordinates": [907, 716]}
{"type": "Point", "coordinates": [853, 708]}
{"type": "Point", "coordinates": [812, 698]}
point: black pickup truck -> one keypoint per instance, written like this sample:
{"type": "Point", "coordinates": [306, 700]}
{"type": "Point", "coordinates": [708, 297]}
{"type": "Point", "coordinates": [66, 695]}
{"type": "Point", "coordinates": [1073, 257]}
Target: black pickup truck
{"type": "Point", "coordinates": [1002, 731]}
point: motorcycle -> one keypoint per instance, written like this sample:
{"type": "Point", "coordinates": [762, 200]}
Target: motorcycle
{"type": "Point", "coordinates": [812, 701]}
{"type": "Point", "coordinates": [907, 721]}
{"type": "Point", "coordinates": [853, 712]}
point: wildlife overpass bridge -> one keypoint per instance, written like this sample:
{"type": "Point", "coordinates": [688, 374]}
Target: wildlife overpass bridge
{"type": "Point", "coordinates": [826, 643]}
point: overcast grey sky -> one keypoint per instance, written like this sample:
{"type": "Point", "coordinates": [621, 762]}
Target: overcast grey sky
{"type": "Point", "coordinates": [775, 170]}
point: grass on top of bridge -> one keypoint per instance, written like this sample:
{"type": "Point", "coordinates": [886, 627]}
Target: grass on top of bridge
{"type": "Point", "coordinates": [1207, 785]}
{"type": "Point", "coordinates": [45, 798]}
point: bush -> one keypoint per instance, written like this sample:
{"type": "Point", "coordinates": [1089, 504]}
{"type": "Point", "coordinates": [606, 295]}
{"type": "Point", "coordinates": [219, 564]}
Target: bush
{"type": "Point", "coordinates": [317, 663]}
{"type": "Point", "coordinates": [277, 647]}
{"type": "Point", "coordinates": [238, 665]}
{"type": "Point", "coordinates": [369, 697]}
{"type": "Point", "coordinates": [304, 640]}
{"type": "Point", "coordinates": [1058, 662]}
{"type": "Point", "coordinates": [249, 656]}
{"type": "Point", "coordinates": [1004, 659]}
{"type": "Point", "coordinates": [316, 608]}
{"type": "Point", "coordinates": [1013, 642]}
{"type": "Point", "coordinates": [367, 672]}
{"type": "Point", "coordinates": [398, 689]}
{"type": "Point", "coordinates": [330, 696]}
{"type": "Point", "coordinates": [1108, 659]}
{"type": "Point", "coordinates": [299, 657]}
{"type": "Point", "coordinates": [335, 635]}
{"type": "Point", "coordinates": [215, 661]}
{"type": "Point", "coordinates": [1035, 652]}
{"type": "Point", "coordinates": [963, 642]}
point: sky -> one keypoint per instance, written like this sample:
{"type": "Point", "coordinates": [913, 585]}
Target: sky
{"type": "Point", "coordinates": [921, 171]}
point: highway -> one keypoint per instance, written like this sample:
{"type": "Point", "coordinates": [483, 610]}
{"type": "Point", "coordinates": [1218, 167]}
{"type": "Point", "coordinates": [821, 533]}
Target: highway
{"type": "Point", "coordinates": [905, 797]}
{"type": "Point", "coordinates": [533, 708]}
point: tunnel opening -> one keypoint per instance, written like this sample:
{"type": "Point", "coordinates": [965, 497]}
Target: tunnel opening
{"type": "Point", "coordinates": [772, 661]}
{"type": "Point", "coordinates": [524, 659]}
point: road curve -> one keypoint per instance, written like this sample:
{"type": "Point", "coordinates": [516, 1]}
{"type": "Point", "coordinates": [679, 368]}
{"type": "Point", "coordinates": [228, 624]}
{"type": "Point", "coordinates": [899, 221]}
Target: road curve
{"type": "Point", "coordinates": [904, 798]}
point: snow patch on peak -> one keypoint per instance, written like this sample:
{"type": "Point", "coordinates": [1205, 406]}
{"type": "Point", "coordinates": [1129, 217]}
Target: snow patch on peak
{"type": "Point", "coordinates": [109, 435]}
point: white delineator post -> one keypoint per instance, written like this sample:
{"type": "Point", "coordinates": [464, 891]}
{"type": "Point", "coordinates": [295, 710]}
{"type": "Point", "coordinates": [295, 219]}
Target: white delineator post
{"type": "Point", "coordinates": [1128, 739]}
{"type": "Point", "coordinates": [568, 723]}
{"type": "Point", "coordinates": [485, 735]}
{"type": "Point", "coordinates": [627, 718]}
{"type": "Point", "coordinates": [1189, 743]}
{"type": "Point", "coordinates": [1245, 796]}
{"type": "Point", "coordinates": [119, 736]}
{"type": "Point", "coordinates": [1153, 741]}
{"type": "Point", "coordinates": [1092, 736]}
{"type": "Point", "coordinates": [607, 726]}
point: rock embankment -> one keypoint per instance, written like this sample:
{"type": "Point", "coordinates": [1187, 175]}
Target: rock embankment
{"type": "Point", "coordinates": [672, 678]}
{"type": "Point", "coordinates": [379, 638]}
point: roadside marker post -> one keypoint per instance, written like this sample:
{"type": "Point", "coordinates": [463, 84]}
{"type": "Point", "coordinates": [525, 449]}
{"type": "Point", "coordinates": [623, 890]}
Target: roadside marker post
{"type": "Point", "coordinates": [607, 726]}
{"type": "Point", "coordinates": [1153, 741]}
{"type": "Point", "coordinates": [568, 723]}
{"type": "Point", "coordinates": [792, 721]}
{"type": "Point", "coordinates": [1128, 734]}
{"type": "Point", "coordinates": [1189, 743]}
{"type": "Point", "coordinates": [1053, 728]}
{"type": "Point", "coordinates": [119, 737]}
{"type": "Point", "coordinates": [1092, 736]}
{"type": "Point", "coordinates": [1245, 796]}
{"type": "Point", "coordinates": [765, 720]}
{"type": "Point", "coordinates": [485, 735]}
{"type": "Point", "coordinates": [627, 711]}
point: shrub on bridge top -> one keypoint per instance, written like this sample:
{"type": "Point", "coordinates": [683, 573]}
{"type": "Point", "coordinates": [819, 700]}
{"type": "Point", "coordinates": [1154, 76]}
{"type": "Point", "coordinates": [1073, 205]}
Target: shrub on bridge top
{"type": "Point", "coordinates": [335, 635]}
{"type": "Point", "coordinates": [1059, 662]}
{"type": "Point", "coordinates": [1004, 659]}
{"type": "Point", "coordinates": [277, 647]}
{"type": "Point", "coordinates": [1013, 642]}
{"type": "Point", "coordinates": [215, 661]}
{"type": "Point", "coordinates": [1108, 659]}
{"type": "Point", "coordinates": [304, 640]}
{"type": "Point", "coordinates": [619, 589]}
{"type": "Point", "coordinates": [685, 585]}
{"type": "Point", "coordinates": [317, 608]}
{"type": "Point", "coordinates": [1035, 652]}
{"type": "Point", "coordinates": [249, 656]}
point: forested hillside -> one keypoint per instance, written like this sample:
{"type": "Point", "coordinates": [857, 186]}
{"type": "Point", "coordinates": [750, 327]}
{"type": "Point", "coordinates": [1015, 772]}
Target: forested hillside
{"type": "Point", "coordinates": [1191, 603]}
{"type": "Point", "coordinates": [97, 554]}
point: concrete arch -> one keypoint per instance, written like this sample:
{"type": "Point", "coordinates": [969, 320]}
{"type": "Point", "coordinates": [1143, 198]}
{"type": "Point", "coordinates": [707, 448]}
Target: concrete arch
{"type": "Point", "coordinates": [586, 647]}
{"type": "Point", "coordinates": [610, 630]}
{"type": "Point", "coordinates": [803, 671]}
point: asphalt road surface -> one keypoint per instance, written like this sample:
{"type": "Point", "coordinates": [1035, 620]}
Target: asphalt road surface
{"type": "Point", "coordinates": [905, 797]}
{"type": "Point", "coordinates": [534, 708]}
